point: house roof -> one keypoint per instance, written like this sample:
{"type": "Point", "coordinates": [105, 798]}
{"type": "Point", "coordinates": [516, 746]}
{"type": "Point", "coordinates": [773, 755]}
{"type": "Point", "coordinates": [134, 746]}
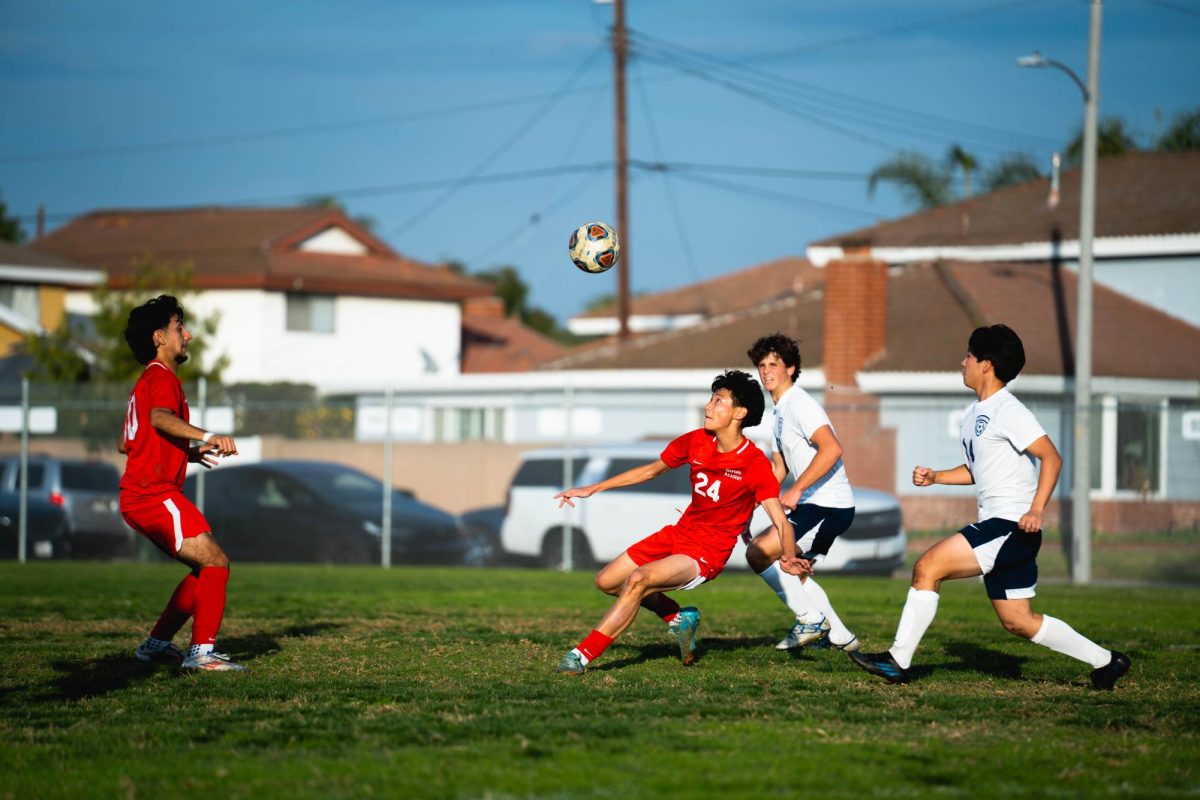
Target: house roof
{"type": "Point", "coordinates": [932, 309]}
{"type": "Point", "coordinates": [233, 248]}
{"type": "Point", "coordinates": [503, 344]}
{"type": "Point", "coordinates": [1137, 194]}
{"type": "Point", "coordinates": [26, 265]}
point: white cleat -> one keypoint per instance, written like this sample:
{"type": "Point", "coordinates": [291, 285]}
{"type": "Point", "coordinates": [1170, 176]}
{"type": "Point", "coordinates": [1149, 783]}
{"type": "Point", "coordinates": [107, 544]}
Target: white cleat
{"type": "Point", "coordinates": [218, 662]}
{"type": "Point", "coordinates": [803, 633]}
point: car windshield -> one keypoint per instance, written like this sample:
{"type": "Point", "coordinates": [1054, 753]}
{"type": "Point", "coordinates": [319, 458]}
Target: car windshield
{"type": "Point", "coordinates": [341, 486]}
{"type": "Point", "coordinates": [90, 477]}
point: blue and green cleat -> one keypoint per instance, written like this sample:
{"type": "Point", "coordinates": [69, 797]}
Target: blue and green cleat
{"type": "Point", "coordinates": [571, 663]}
{"type": "Point", "coordinates": [684, 628]}
{"type": "Point", "coordinates": [881, 664]}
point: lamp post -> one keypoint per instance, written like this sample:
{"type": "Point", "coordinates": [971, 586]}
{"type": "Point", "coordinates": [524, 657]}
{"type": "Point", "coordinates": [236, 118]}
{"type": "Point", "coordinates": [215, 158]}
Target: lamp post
{"type": "Point", "coordinates": [1081, 518]}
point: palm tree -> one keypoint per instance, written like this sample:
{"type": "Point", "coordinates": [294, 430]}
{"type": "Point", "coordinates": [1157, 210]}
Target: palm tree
{"type": "Point", "coordinates": [1183, 134]}
{"type": "Point", "coordinates": [921, 181]}
{"type": "Point", "coordinates": [1112, 139]}
{"type": "Point", "coordinates": [1010, 170]}
{"type": "Point", "coordinates": [958, 158]}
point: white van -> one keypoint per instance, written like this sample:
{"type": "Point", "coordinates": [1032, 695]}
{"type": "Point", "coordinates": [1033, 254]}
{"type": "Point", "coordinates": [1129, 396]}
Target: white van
{"type": "Point", "coordinates": [605, 524]}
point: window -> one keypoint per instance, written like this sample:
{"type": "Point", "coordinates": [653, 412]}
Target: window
{"type": "Point", "coordinates": [312, 313]}
{"type": "Point", "coordinates": [467, 424]}
{"type": "Point", "coordinates": [1126, 447]}
{"type": "Point", "coordinates": [22, 299]}
{"type": "Point", "coordinates": [673, 481]}
{"type": "Point", "coordinates": [547, 472]}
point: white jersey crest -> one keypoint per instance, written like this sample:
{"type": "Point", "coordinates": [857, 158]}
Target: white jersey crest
{"type": "Point", "coordinates": [995, 434]}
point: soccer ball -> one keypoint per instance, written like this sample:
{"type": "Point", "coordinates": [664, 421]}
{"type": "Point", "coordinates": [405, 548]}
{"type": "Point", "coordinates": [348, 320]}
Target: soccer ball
{"type": "Point", "coordinates": [594, 247]}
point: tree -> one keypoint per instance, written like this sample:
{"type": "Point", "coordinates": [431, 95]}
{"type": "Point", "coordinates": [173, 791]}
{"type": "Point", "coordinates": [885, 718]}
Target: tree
{"type": "Point", "coordinates": [329, 201]}
{"type": "Point", "coordinates": [10, 227]}
{"type": "Point", "coordinates": [1112, 139]}
{"type": "Point", "coordinates": [59, 357]}
{"type": "Point", "coordinates": [960, 159]}
{"type": "Point", "coordinates": [922, 182]}
{"type": "Point", "coordinates": [1183, 133]}
{"type": "Point", "coordinates": [1010, 170]}
{"type": "Point", "coordinates": [509, 287]}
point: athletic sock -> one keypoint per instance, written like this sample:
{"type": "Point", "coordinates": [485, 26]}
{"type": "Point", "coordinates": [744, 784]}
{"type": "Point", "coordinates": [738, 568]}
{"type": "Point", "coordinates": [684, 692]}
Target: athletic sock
{"type": "Point", "coordinates": [791, 591]}
{"type": "Point", "coordinates": [592, 646]}
{"type": "Point", "coordinates": [199, 650]}
{"type": "Point", "coordinates": [1062, 638]}
{"type": "Point", "coordinates": [210, 604]}
{"type": "Point", "coordinates": [919, 610]}
{"type": "Point", "coordinates": [664, 606]}
{"type": "Point", "coordinates": [839, 634]}
{"type": "Point", "coordinates": [178, 609]}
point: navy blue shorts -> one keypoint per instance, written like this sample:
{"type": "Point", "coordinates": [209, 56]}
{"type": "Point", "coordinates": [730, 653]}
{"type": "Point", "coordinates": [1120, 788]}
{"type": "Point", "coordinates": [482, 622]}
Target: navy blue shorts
{"type": "Point", "coordinates": [817, 526]}
{"type": "Point", "coordinates": [1007, 556]}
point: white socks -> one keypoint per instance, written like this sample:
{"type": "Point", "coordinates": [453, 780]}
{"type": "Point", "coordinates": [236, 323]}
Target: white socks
{"type": "Point", "coordinates": [839, 634]}
{"type": "Point", "coordinates": [919, 610]}
{"type": "Point", "coordinates": [199, 650]}
{"type": "Point", "coordinates": [791, 591]}
{"type": "Point", "coordinates": [1062, 638]}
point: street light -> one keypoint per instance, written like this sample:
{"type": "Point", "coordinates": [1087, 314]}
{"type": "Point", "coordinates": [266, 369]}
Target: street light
{"type": "Point", "coordinates": [1081, 517]}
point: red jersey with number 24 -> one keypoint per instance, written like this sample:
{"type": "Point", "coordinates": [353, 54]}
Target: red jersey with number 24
{"type": "Point", "coordinates": [726, 487]}
{"type": "Point", "coordinates": [155, 463]}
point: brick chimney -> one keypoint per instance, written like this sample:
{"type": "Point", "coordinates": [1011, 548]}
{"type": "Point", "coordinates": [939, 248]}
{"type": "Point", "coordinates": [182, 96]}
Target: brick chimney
{"type": "Point", "coordinates": [483, 308]}
{"type": "Point", "coordinates": [855, 313]}
{"type": "Point", "coordinates": [856, 332]}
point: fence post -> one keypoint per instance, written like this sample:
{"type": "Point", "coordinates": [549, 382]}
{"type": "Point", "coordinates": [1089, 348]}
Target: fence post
{"type": "Point", "coordinates": [23, 489]}
{"type": "Point", "coordinates": [568, 543]}
{"type": "Point", "coordinates": [385, 550]}
{"type": "Point", "coordinates": [202, 397]}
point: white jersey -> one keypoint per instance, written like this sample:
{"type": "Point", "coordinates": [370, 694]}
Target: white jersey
{"type": "Point", "coordinates": [797, 417]}
{"type": "Point", "coordinates": [995, 433]}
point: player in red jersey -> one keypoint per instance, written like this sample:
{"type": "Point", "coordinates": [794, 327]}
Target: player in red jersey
{"type": "Point", "coordinates": [157, 442]}
{"type": "Point", "coordinates": [729, 476]}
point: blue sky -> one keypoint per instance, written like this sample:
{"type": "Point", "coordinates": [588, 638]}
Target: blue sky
{"type": "Point", "coordinates": [388, 104]}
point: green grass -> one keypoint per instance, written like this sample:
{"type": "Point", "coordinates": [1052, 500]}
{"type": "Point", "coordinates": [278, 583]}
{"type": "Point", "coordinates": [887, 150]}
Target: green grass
{"type": "Point", "coordinates": [438, 683]}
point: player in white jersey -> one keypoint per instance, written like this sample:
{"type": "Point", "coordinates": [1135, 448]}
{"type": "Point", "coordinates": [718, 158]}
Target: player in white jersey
{"type": "Point", "coordinates": [1002, 445]}
{"type": "Point", "coordinates": [820, 503]}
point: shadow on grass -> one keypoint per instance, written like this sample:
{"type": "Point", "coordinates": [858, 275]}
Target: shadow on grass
{"type": "Point", "coordinates": [973, 658]}
{"type": "Point", "coordinates": [97, 677]}
{"type": "Point", "coordinates": [651, 652]}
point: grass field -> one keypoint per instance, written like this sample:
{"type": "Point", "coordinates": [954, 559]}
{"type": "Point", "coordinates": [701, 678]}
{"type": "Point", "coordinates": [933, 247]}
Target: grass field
{"type": "Point", "coordinates": [438, 683]}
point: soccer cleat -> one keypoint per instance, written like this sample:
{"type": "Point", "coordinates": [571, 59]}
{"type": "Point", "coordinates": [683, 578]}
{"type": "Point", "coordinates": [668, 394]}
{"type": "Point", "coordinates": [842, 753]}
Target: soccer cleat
{"type": "Point", "coordinates": [684, 628]}
{"type": "Point", "coordinates": [803, 633]}
{"type": "Point", "coordinates": [825, 643]}
{"type": "Point", "coordinates": [164, 653]}
{"type": "Point", "coordinates": [1106, 677]}
{"type": "Point", "coordinates": [571, 663]}
{"type": "Point", "coordinates": [214, 661]}
{"type": "Point", "coordinates": [881, 664]}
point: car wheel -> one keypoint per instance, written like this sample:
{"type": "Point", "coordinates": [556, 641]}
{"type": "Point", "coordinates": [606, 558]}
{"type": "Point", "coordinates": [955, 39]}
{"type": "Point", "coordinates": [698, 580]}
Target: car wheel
{"type": "Point", "coordinates": [552, 551]}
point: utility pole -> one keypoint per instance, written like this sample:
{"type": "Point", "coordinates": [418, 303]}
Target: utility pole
{"type": "Point", "coordinates": [620, 45]}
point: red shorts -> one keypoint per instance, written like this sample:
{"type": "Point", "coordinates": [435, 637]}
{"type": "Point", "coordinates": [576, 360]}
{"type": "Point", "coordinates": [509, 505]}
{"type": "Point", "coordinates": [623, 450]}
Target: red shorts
{"type": "Point", "coordinates": [165, 519]}
{"type": "Point", "coordinates": [676, 541]}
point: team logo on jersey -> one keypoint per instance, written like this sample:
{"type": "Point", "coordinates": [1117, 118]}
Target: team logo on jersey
{"type": "Point", "coordinates": [981, 423]}
{"type": "Point", "coordinates": [736, 474]}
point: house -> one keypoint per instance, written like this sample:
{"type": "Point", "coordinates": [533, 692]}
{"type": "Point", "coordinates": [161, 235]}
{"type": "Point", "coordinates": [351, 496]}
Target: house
{"type": "Point", "coordinates": [33, 292]}
{"type": "Point", "coordinates": [303, 294]}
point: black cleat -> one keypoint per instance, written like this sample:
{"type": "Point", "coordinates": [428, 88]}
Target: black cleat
{"type": "Point", "coordinates": [1106, 677]}
{"type": "Point", "coordinates": [883, 665]}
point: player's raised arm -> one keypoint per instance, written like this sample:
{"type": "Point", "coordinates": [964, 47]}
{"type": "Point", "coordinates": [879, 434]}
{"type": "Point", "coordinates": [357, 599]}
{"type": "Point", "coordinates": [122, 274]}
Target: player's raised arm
{"type": "Point", "coordinates": [959, 476]}
{"type": "Point", "coordinates": [629, 477]}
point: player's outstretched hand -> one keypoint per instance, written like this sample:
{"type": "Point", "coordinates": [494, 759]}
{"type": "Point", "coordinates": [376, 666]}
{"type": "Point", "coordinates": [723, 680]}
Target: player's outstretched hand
{"type": "Point", "coordinates": [923, 476]}
{"type": "Point", "coordinates": [204, 456]}
{"type": "Point", "coordinates": [222, 445]}
{"type": "Point", "coordinates": [565, 496]}
{"type": "Point", "coordinates": [795, 566]}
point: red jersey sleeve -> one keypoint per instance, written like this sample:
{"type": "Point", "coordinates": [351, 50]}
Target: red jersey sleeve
{"type": "Point", "coordinates": [678, 452]}
{"type": "Point", "coordinates": [163, 391]}
{"type": "Point", "coordinates": [762, 480]}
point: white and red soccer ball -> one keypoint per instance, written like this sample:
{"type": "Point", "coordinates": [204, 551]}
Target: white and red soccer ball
{"type": "Point", "coordinates": [594, 247]}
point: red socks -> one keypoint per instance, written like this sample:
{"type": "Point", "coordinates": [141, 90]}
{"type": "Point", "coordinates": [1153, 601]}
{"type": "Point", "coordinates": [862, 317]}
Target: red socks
{"type": "Point", "coordinates": [664, 606]}
{"type": "Point", "coordinates": [209, 604]}
{"type": "Point", "coordinates": [179, 608]}
{"type": "Point", "coordinates": [593, 645]}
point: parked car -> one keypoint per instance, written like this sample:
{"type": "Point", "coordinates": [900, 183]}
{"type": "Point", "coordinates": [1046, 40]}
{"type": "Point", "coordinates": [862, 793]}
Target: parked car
{"type": "Point", "coordinates": [605, 524]}
{"type": "Point", "coordinates": [86, 490]}
{"type": "Point", "coordinates": [483, 528]}
{"type": "Point", "coordinates": [46, 535]}
{"type": "Point", "coordinates": [321, 511]}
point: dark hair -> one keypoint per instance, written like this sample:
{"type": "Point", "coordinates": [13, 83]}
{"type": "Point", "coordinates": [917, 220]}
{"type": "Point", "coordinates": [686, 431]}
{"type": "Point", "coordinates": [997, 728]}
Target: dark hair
{"type": "Point", "coordinates": [151, 316]}
{"type": "Point", "coordinates": [1000, 345]}
{"type": "Point", "coordinates": [746, 394]}
{"type": "Point", "coordinates": [783, 346]}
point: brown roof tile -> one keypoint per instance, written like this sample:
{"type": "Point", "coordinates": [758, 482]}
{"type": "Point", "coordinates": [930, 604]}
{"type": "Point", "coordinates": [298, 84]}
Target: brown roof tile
{"type": "Point", "coordinates": [501, 344]}
{"type": "Point", "coordinates": [1138, 194]}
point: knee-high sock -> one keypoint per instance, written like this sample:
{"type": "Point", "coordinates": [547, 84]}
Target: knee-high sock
{"type": "Point", "coordinates": [919, 610]}
{"type": "Point", "coordinates": [665, 607]}
{"type": "Point", "coordinates": [210, 605]}
{"type": "Point", "coordinates": [1062, 638]}
{"type": "Point", "coordinates": [178, 609]}
{"type": "Point", "coordinates": [838, 632]}
{"type": "Point", "coordinates": [791, 591]}
{"type": "Point", "coordinates": [592, 646]}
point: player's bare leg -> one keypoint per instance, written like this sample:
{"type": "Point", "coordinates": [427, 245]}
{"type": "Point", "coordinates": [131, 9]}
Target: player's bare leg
{"type": "Point", "coordinates": [762, 554]}
{"type": "Point", "coordinates": [1019, 618]}
{"type": "Point", "coordinates": [657, 576]}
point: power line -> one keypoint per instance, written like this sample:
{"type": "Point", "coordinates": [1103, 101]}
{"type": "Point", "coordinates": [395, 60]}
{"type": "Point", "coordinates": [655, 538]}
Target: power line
{"type": "Point", "coordinates": [768, 194]}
